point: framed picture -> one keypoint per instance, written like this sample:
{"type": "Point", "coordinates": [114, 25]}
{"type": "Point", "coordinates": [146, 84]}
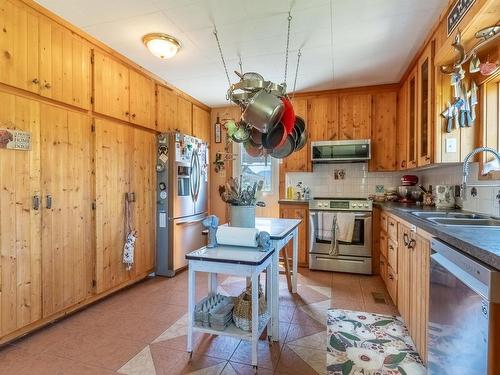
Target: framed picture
{"type": "Point", "coordinates": [218, 131]}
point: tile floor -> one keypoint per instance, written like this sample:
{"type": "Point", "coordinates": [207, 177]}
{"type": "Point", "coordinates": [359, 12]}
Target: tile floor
{"type": "Point", "coordinates": [142, 331]}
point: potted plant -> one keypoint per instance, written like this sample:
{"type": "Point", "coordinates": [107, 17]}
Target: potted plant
{"type": "Point", "coordinates": [242, 201]}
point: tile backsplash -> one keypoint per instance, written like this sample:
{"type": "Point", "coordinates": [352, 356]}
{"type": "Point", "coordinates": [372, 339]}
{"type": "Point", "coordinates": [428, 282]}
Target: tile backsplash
{"type": "Point", "coordinates": [359, 182]}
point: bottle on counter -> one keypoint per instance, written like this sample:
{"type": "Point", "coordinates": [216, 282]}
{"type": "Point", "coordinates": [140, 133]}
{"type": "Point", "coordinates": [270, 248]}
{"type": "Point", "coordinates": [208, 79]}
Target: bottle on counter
{"type": "Point", "coordinates": [290, 192]}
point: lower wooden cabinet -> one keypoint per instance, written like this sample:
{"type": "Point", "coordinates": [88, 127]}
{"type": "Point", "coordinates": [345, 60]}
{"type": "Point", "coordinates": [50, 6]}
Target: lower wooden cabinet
{"type": "Point", "coordinates": [68, 257]}
{"type": "Point", "coordinates": [298, 211]}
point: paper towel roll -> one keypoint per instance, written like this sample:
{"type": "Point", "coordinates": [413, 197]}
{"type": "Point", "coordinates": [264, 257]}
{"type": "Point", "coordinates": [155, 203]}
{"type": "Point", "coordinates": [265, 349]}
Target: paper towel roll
{"type": "Point", "coordinates": [237, 236]}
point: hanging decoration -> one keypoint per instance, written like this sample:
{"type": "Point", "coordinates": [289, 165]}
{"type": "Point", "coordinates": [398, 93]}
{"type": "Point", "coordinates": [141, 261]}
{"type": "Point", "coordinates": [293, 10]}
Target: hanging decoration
{"type": "Point", "coordinates": [268, 125]}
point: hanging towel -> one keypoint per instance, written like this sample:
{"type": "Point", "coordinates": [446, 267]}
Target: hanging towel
{"type": "Point", "coordinates": [341, 229]}
{"type": "Point", "coordinates": [328, 225]}
{"type": "Point", "coordinates": [129, 246]}
{"type": "Point", "coordinates": [319, 231]}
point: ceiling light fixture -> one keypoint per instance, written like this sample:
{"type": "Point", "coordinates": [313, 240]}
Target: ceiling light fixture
{"type": "Point", "coordinates": [161, 45]}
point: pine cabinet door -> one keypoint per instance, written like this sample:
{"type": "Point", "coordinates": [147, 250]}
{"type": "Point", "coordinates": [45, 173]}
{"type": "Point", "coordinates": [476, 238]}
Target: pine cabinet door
{"type": "Point", "coordinates": [402, 131]}
{"type": "Point", "coordinates": [184, 122]}
{"type": "Point", "coordinates": [20, 221]}
{"type": "Point", "coordinates": [166, 109]}
{"type": "Point", "coordinates": [111, 87]}
{"type": "Point", "coordinates": [64, 65]}
{"type": "Point", "coordinates": [201, 123]}
{"type": "Point", "coordinates": [142, 100]}
{"type": "Point", "coordinates": [425, 105]}
{"type": "Point", "coordinates": [383, 131]}
{"type": "Point", "coordinates": [19, 46]}
{"type": "Point", "coordinates": [355, 116]}
{"type": "Point", "coordinates": [412, 118]}
{"type": "Point", "coordinates": [298, 212]}
{"type": "Point", "coordinates": [142, 184]}
{"type": "Point", "coordinates": [322, 118]}
{"type": "Point", "coordinates": [67, 230]}
{"type": "Point", "coordinates": [113, 160]}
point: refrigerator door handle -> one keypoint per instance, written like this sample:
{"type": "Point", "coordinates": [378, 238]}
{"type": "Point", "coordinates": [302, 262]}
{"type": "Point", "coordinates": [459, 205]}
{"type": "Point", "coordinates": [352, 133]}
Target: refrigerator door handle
{"type": "Point", "coordinates": [198, 176]}
{"type": "Point", "coordinates": [191, 182]}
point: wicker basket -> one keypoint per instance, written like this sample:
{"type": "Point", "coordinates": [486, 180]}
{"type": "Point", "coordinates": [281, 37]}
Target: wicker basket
{"type": "Point", "coordinates": [242, 312]}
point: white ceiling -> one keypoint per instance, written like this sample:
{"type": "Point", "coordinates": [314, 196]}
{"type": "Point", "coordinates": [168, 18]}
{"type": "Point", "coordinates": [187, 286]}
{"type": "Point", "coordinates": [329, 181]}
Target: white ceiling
{"type": "Point", "coordinates": [345, 43]}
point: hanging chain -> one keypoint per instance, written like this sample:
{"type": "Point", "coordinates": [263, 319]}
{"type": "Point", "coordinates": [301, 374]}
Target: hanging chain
{"type": "Point", "coordinates": [299, 54]}
{"type": "Point", "coordinates": [287, 46]}
{"type": "Point", "coordinates": [221, 55]}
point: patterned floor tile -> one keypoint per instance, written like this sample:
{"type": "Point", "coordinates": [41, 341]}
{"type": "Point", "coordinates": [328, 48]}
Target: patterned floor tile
{"type": "Point", "coordinates": [141, 364]}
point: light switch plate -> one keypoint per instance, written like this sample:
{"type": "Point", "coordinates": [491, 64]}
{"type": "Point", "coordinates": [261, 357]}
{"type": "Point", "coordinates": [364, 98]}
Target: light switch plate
{"type": "Point", "coordinates": [451, 145]}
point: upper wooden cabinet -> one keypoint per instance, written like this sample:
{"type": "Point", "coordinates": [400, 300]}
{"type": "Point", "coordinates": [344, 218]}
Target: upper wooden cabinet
{"type": "Point", "coordinates": [41, 56]}
{"type": "Point", "coordinates": [383, 130]}
{"type": "Point", "coordinates": [355, 116]}
{"type": "Point", "coordinates": [111, 87]}
{"type": "Point", "coordinates": [19, 51]}
{"type": "Point", "coordinates": [201, 123]}
{"type": "Point", "coordinates": [122, 93]}
{"type": "Point", "coordinates": [402, 127]}
{"type": "Point", "coordinates": [411, 121]}
{"type": "Point", "coordinates": [184, 117]}
{"type": "Point", "coordinates": [142, 100]}
{"type": "Point", "coordinates": [322, 118]}
{"type": "Point", "coordinates": [64, 65]}
{"type": "Point", "coordinates": [175, 113]}
{"type": "Point", "coordinates": [425, 105]}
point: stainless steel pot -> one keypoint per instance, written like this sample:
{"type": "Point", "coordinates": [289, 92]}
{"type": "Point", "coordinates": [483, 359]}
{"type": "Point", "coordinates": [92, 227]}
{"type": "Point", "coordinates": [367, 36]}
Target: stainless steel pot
{"type": "Point", "coordinates": [263, 111]}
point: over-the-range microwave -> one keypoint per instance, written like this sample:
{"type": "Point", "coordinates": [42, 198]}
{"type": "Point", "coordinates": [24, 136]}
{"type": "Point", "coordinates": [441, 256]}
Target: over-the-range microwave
{"type": "Point", "coordinates": [358, 150]}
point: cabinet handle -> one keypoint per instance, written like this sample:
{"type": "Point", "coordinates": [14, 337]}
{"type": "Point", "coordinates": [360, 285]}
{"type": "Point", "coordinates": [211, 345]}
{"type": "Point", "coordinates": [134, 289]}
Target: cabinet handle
{"type": "Point", "coordinates": [427, 158]}
{"type": "Point", "coordinates": [127, 113]}
{"type": "Point", "coordinates": [48, 201]}
{"type": "Point", "coordinates": [406, 239]}
{"type": "Point", "coordinates": [36, 202]}
{"type": "Point", "coordinates": [403, 164]}
{"type": "Point", "coordinates": [391, 277]}
{"type": "Point", "coordinates": [391, 247]}
{"type": "Point", "coordinates": [36, 81]}
{"type": "Point", "coordinates": [133, 115]}
{"type": "Point", "coordinates": [391, 224]}
{"type": "Point", "coordinates": [412, 244]}
{"type": "Point", "coordinates": [48, 85]}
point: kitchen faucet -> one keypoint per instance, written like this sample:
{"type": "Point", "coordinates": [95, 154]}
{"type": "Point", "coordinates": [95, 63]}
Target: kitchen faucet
{"type": "Point", "coordinates": [466, 170]}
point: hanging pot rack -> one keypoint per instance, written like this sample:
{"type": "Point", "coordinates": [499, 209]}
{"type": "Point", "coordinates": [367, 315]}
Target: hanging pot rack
{"type": "Point", "coordinates": [485, 36]}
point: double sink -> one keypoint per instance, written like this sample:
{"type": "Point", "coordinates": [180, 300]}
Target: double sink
{"type": "Point", "coordinates": [461, 219]}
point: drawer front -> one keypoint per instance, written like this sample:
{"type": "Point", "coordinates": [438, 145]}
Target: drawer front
{"type": "Point", "coordinates": [392, 254]}
{"type": "Point", "coordinates": [392, 284]}
{"type": "Point", "coordinates": [383, 221]}
{"type": "Point", "coordinates": [383, 269]}
{"type": "Point", "coordinates": [392, 229]}
{"type": "Point", "coordinates": [383, 243]}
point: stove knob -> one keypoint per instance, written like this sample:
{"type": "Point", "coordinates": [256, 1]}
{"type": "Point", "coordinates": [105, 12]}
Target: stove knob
{"type": "Point", "coordinates": [354, 205]}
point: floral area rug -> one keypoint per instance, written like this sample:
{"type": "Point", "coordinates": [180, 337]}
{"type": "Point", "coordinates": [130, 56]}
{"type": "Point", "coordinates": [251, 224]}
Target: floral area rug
{"type": "Point", "coordinates": [369, 344]}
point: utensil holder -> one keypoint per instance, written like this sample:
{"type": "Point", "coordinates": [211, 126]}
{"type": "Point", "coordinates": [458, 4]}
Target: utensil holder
{"type": "Point", "coordinates": [242, 216]}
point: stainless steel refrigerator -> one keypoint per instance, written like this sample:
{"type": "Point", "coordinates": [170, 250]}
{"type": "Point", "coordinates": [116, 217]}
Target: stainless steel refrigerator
{"type": "Point", "coordinates": [182, 199]}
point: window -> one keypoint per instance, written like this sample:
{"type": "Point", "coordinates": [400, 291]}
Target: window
{"type": "Point", "coordinates": [253, 169]}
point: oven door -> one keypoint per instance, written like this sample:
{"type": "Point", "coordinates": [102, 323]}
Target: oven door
{"type": "Point", "coordinates": [361, 244]}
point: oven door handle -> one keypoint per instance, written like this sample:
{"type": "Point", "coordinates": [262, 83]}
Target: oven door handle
{"type": "Point", "coordinates": [312, 231]}
{"type": "Point", "coordinates": [340, 260]}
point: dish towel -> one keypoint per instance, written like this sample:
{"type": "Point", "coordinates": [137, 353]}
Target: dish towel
{"type": "Point", "coordinates": [320, 230]}
{"type": "Point", "coordinates": [342, 229]}
{"type": "Point", "coordinates": [328, 225]}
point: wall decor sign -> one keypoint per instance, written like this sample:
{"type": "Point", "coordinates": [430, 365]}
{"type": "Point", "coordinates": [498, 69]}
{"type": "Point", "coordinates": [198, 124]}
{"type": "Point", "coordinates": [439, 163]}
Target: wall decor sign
{"type": "Point", "coordinates": [15, 139]}
{"type": "Point", "coordinates": [456, 14]}
{"type": "Point", "coordinates": [218, 131]}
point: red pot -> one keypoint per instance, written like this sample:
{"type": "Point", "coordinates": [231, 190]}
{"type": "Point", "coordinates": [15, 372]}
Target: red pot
{"type": "Point", "coordinates": [288, 118]}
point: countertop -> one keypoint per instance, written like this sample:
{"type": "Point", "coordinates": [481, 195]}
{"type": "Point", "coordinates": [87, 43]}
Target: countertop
{"type": "Point", "coordinates": [277, 228]}
{"type": "Point", "coordinates": [480, 243]}
{"type": "Point", "coordinates": [293, 201]}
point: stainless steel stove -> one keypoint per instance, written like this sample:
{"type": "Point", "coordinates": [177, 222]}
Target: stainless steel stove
{"type": "Point", "coordinates": [354, 256]}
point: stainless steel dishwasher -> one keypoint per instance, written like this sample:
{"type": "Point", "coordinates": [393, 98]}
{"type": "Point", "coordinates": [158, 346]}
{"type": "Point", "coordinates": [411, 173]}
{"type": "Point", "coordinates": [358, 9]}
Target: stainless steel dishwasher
{"type": "Point", "coordinates": [463, 311]}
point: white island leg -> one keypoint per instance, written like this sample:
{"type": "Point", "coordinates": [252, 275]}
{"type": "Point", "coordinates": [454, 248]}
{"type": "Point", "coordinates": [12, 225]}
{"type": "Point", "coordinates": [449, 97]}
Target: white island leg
{"type": "Point", "coordinates": [275, 292]}
{"type": "Point", "coordinates": [255, 318]}
{"type": "Point", "coordinates": [295, 260]}
{"type": "Point", "coordinates": [191, 302]}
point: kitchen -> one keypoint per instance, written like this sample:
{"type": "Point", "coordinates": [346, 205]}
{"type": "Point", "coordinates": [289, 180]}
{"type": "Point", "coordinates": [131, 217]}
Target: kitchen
{"type": "Point", "coordinates": [127, 143]}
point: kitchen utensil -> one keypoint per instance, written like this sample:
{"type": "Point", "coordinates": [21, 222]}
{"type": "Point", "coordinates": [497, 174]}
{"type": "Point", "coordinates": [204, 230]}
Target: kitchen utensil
{"type": "Point", "coordinates": [447, 114]}
{"type": "Point", "coordinates": [409, 180]}
{"type": "Point", "coordinates": [445, 196]}
{"type": "Point", "coordinates": [275, 137]}
{"type": "Point", "coordinates": [473, 100]}
{"type": "Point", "coordinates": [288, 118]}
{"type": "Point", "coordinates": [488, 68]}
{"type": "Point", "coordinates": [416, 195]}
{"type": "Point", "coordinates": [242, 133]}
{"type": "Point", "coordinates": [264, 111]}
{"type": "Point", "coordinates": [249, 76]}
{"type": "Point", "coordinates": [475, 63]}
{"type": "Point", "coordinates": [253, 149]}
{"type": "Point", "coordinates": [285, 149]}
{"type": "Point", "coordinates": [300, 125]}
{"type": "Point", "coordinates": [422, 188]}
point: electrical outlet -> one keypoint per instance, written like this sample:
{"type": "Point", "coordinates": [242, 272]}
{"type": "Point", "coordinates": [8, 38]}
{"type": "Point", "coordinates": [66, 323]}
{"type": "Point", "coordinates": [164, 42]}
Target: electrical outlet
{"type": "Point", "coordinates": [451, 145]}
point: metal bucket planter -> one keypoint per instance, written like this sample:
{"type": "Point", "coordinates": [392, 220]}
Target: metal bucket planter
{"type": "Point", "coordinates": [242, 216]}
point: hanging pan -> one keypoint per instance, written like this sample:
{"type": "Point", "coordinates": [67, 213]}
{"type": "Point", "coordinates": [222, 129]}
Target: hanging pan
{"type": "Point", "coordinates": [275, 137]}
{"type": "Point", "coordinates": [300, 127]}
